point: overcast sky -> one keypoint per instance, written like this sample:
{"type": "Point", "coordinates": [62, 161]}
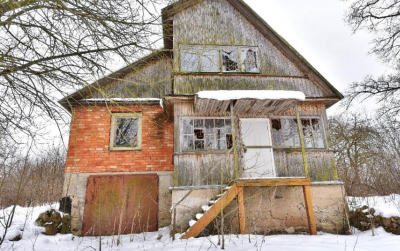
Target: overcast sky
{"type": "Point", "coordinates": [316, 29]}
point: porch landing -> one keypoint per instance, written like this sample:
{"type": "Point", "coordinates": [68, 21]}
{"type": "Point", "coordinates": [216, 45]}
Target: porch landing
{"type": "Point", "coordinates": [235, 189]}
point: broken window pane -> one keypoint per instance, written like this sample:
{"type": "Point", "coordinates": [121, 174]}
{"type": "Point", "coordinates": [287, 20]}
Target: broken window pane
{"type": "Point", "coordinates": [189, 60]}
{"type": "Point", "coordinates": [199, 133]}
{"type": "Point", "coordinates": [229, 57]}
{"type": "Point", "coordinates": [198, 123]}
{"type": "Point", "coordinates": [126, 131]}
{"type": "Point", "coordinates": [199, 144]}
{"type": "Point", "coordinates": [209, 61]}
{"type": "Point", "coordinates": [249, 60]}
{"type": "Point", "coordinates": [285, 133]}
{"type": "Point", "coordinates": [205, 134]}
{"type": "Point", "coordinates": [316, 125]}
{"type": "Point", "coordinates": [229, 141]}
{"type": "Point", "coordinates": [307, 130]}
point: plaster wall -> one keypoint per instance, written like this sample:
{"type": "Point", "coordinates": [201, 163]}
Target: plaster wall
{"type": "Point", "coordinates": [272, 209]}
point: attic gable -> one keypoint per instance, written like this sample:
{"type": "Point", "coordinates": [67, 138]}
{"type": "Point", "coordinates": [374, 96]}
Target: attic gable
{"type": "Point", "coordinates": [232, 22]}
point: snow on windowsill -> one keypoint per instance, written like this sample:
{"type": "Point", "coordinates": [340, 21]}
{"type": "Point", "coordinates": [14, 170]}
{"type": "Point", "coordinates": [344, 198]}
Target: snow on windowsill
{"type": "Point", "coordinates": [256, 94]}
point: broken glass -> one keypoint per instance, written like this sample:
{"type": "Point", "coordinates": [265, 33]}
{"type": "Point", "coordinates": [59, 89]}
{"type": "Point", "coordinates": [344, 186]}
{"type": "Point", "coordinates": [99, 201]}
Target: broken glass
{"type": "Point", "coordinates": [198, 123]}
{"type": "Point", "coordinates": [199, 133]}
{"type": "Point", "coordinates": [126, 132]}
{"type": "Point", "coordinates": [229, 58]}
{"type": "Point", "coordinates": [249, 60]}
{"type": "Point", "coordinates": [199, 144]}
{"type": "Point", "coordinates": [228, 126]}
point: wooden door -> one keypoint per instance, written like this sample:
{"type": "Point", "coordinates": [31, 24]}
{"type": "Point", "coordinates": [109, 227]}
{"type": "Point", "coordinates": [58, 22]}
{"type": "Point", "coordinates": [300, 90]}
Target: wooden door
{"type": "Point", "coordinates": [120, 204]}
{"type": "Point", "coordinates": [258, 156]}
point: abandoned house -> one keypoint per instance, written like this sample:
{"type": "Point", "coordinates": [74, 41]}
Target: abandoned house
{"type": "Point", "coordinates": [227, 120]}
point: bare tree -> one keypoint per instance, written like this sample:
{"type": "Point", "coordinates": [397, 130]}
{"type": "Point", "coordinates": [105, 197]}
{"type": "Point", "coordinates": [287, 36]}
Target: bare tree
{"type": "Point", "coordinates": [382, 19]}
{"type": "Point", "coordinates": [49, 48]}
{"type": "Point", "coordinates": [366, 152]}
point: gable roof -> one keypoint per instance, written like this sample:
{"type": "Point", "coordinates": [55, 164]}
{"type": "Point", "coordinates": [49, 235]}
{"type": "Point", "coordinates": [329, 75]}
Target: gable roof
{"type": "Point", "coordinates": [269, 33]}
{"type": "Point", "coordinates": [74, 98]}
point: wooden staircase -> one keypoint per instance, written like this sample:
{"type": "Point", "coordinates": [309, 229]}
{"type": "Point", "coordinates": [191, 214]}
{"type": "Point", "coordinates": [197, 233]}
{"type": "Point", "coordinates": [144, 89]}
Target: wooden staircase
{"type": "Point", "coordinates": [235, 189]}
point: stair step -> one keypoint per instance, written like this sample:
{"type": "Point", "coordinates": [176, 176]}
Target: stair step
{"type": "Point", "coordinates": [192, 222]}
{"type": "Point", "coordinates": [205, 208]}
{"type": "Point", "coordinates": [212, 201]}
{"type": "Point", "coordinates": [226, 188]}
{"type": "Point", "coordinates": [198, 216]}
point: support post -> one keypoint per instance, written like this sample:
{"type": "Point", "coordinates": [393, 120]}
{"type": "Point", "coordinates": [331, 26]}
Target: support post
{"type": "Point", "coordinates": [242, 213]}
{"type": "Point", "coordinates": [312, 225]}
{"type": "Point", "coordinates": [234, 146]}
{"type": "Point", "coordinates": [303, 147]}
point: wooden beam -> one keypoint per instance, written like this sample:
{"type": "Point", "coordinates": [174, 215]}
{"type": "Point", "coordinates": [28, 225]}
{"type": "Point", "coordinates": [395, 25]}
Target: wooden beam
{"type": "Point", "coordinates": [234, 146]}
{"type": "Point", "coordinates": [272, 182]}
{"type": "Point", "coordinates": [310, 210]}
{"type": "Point", "coordinates": [303, 147]}
{"type": "Point", "coordinates": [211, 213]}
{"type": "Point", "coordinates": [242, 212]}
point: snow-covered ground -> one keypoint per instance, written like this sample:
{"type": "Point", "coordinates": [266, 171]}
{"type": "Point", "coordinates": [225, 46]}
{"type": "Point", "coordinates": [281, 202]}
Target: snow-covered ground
{"type": "Point", "coordinates": [385, 206]}
{"type": "Point", "coordinates": [32, 239]}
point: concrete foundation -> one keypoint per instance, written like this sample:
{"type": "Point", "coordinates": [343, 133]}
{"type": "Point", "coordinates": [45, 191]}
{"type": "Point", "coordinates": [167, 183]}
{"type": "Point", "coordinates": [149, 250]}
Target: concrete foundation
{"type": "Point", "coordinates": [272, 209]}
{"type": "Point", "coordinates": [75, 188]}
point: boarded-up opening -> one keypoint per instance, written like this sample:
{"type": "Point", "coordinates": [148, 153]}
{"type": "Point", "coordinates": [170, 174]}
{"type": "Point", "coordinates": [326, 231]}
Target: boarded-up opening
{"type": "Point", "coordinates": [120, 204]}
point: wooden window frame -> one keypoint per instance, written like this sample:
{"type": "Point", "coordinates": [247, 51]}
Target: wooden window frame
{"type": "Point", "coordinates": [220, 63]}
{"type": "Point", "coordinates": [182, 134]}
{"type": "Point", "coordinates": [113, 129]}
{"type": "Point", "coordinates": [323, 132]}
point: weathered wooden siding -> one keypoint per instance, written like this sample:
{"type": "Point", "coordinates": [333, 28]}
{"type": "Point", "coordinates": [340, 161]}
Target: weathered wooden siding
{"type": "Point", "coordinates": [216, 22]}
{"type": "Point", "coordinates": [290, 164]}
{"type": "Point", "coordinates": [193, 169]}
{"type": "Point", "coordinates": [189, 84]}
{"type": "Point", "coordinates": [203, 169]}
{"type": "Point", "coordinates": [150, 81]}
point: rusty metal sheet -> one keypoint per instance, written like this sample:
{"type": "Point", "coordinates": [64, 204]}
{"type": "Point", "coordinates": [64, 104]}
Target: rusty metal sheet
{"type": "Point", "coordinates": [120, 204]}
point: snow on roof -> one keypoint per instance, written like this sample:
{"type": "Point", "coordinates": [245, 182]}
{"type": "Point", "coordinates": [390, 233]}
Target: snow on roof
{"type": "Point", "coordinates": [256, 94]}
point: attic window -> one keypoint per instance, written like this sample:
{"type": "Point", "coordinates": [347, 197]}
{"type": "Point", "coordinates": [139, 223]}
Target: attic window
{"type": "Point", "coordinates": [285, 132]}
{"type": "Point", "coordinates": [125, 131]}
{"type": "Point", "coordinates": [200, 58]}
{"type": "Point", "coordinates": [206, 134]}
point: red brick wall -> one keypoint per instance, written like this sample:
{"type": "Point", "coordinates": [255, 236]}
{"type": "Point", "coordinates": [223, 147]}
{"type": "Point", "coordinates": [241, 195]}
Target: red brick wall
{"type": "Point", "coordinates": [89, 142]}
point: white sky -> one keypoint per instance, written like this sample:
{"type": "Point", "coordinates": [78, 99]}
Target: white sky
{"type": "Point", "coordinates": [317, 30]}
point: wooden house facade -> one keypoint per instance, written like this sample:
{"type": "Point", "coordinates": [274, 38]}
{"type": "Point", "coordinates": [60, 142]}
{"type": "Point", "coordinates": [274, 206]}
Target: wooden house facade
{"type": "Point", "coordinates": [225, 104]}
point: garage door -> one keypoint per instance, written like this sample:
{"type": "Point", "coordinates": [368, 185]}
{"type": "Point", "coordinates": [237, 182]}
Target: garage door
{"type": "Point", "coordinates": [120, 204]}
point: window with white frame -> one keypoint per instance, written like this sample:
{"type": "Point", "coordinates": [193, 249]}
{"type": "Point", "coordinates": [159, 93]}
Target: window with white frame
{"type": "Point", "coordinates": [205, 134]}
{"type": "Point", "coordinates": [285, 132]}
{"type": "Point", "coordinates": [200, 58]}
{"type": "Point", "coordinates": [126, 131]}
